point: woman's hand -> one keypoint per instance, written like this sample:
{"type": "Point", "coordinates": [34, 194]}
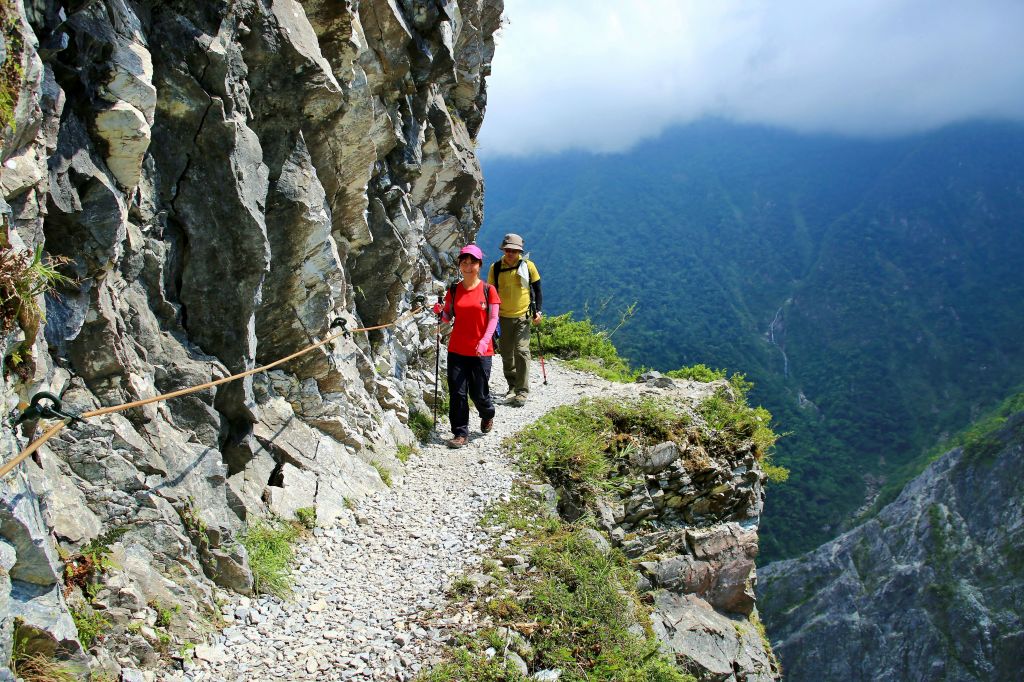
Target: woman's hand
{"type": "Point", "coordinates": [481, 347]}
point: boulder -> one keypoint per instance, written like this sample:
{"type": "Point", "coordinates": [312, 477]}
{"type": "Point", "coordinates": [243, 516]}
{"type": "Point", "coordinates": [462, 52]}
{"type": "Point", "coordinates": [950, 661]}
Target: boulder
{"type": "Point", "coordinates": [708, 643]}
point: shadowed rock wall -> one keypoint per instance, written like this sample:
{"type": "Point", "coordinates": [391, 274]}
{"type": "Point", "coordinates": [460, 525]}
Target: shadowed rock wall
{"type": "Point", "coordinates": [225, 179]}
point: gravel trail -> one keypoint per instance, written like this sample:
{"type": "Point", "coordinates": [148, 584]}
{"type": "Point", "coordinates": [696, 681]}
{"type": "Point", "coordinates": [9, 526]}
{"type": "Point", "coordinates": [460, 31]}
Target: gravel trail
{"type": "Point", "coordinates": [361, 587]}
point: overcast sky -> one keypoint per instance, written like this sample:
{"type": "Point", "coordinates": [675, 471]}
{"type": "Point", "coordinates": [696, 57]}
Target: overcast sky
{"type": "Point", "coordinates": [602, 74]}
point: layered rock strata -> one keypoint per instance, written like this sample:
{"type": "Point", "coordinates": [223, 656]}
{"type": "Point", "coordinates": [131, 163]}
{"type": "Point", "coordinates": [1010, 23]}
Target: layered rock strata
{"type": "Point", "coordinates": [225, 179]}
{"type": "Point", "coordinates": [932, 588]}
{"type": "Point", "coordinates": [690, 527]}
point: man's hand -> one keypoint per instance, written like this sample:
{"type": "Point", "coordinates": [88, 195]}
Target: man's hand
{"type": "Point", "coordinates": [536, 317]}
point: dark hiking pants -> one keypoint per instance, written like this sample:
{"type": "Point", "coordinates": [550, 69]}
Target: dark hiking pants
{"type": "Point", "coordinates": [468, 378]}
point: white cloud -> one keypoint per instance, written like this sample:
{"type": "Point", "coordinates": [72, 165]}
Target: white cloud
{"type": "Point", "coordinates": [601, 75]}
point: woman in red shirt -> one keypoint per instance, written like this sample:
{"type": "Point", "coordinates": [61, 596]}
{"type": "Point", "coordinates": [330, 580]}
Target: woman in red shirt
{"type": "Point", "coordinates": [470, 347]}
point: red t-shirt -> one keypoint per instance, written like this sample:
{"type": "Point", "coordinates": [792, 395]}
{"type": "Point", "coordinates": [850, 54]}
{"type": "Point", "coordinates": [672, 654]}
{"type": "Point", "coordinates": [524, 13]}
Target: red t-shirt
{"type": "Point", "coordinates": [470, 319]}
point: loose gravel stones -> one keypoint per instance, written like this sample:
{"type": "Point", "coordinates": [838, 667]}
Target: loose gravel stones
{"type": "Point", "coordinates": [365, 587]}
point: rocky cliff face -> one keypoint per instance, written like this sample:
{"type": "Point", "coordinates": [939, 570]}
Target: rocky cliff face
{"type": "Point", "coordinates": [224, 179]}
{"type": "Point", "coordinates": [930, 589]}
{"type": "Point", "coordinates": [689, 525]}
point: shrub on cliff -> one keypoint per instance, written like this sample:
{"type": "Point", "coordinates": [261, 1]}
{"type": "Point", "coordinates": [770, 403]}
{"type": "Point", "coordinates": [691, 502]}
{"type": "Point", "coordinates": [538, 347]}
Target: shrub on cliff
{"type": "Point", "coordinates": [583, 345]}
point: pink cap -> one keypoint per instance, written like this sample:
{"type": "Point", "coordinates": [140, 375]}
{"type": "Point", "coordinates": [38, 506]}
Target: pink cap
{"type": "Point", "coordinates": [472, 250]}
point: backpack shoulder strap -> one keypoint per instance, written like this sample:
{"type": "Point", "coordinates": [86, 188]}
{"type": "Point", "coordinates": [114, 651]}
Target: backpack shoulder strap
{"type": "Point", "coordinates": [451, 300]}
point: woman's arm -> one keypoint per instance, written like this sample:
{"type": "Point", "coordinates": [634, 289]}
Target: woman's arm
{"type": "Point", "coordinates": [492, 324]}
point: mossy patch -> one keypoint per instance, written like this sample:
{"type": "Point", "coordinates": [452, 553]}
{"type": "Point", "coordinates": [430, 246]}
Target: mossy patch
{"type": "Point", "coordinates": [11, 72]}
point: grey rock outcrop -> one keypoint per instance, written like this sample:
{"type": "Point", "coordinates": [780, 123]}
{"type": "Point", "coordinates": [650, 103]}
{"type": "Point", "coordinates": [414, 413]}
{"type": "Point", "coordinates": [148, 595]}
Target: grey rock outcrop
{"type": "Point", "coordinates": [929, 589]}
{"type": "Point", "coordinates": [689, 526]}
{"type": "Point", "coordinates": [225, 180]}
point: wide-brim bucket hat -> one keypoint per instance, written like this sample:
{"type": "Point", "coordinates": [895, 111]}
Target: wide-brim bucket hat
{"type": "Point", "coordinates": [512, 241]}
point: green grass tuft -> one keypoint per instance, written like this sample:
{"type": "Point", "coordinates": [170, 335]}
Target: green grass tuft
{"type": "Point", "coordinates": [404, 452]}
{"type": "Point", "coordinates": [581, 446]}
{"type": "Point", "coordinates": [576, 608]}
{"type": "Point", "coordinates": [269, 544]}
{"type": "Point", "coordinates": [697, 373]}
{"type": "Point", "coordinates": [91, 625]}
{"type": "Point", "coordinates": [383, 471]}
{"type": "Point", "coordinates": [421, 424]}
{"type": "Point", "coordinates": [728, 413]}
{"type": "Point", "coordinates": [306, 516]}
{"type": "Point", "coordinates": [30, 663]}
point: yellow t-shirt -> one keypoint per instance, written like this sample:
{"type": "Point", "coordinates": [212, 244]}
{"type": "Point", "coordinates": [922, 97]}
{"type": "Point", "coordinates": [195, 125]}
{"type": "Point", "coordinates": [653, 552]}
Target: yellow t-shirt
{"type": "Point", "coordinates": [515, 297]}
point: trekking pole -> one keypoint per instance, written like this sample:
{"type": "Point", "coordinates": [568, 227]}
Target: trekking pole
{"type": "Point", "coordinates": [540, 351]}
{"type": "Point", "coordinates": [437, 358]}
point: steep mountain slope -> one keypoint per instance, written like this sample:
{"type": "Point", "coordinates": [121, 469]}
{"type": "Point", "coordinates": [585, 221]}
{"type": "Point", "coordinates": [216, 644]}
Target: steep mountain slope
{"type": "Point", "coordinates": [866, 287]}
{"type": "Point", "coordinates": [932, 588]}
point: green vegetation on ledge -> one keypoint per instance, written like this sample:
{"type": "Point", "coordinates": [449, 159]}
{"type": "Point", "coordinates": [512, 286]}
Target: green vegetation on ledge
{"type": "Point", "coordinates": [583, 345]}
{"type": "Point", "coordinates": [574, 444]}
{"type": "Point", "coordinates": [575, 610]}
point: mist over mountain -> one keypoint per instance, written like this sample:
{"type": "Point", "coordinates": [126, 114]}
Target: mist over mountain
{"type": "Point", "coordinates": [870, 288]}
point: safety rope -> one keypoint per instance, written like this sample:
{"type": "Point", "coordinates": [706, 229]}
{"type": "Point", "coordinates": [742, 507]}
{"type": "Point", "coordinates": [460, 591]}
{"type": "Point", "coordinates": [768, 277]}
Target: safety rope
{"type": "Point", "coordinates": [67, 418]}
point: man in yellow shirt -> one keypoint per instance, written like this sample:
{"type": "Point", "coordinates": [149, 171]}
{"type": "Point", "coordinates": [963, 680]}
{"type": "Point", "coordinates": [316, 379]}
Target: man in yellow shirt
{"type": "Point", "coordinates": [518, 284]}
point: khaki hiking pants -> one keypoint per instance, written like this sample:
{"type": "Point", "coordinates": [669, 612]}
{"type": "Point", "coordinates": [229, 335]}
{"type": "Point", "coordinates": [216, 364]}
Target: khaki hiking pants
{"type": "Point", "coordinates": [514, 346]}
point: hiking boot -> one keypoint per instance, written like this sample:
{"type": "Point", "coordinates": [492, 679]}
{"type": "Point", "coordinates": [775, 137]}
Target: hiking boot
{"type": "Point", "coordinates": [519, 400]}
{"type": "Point", "coordinates": [456, 442]}
{"type": "Point", "coordinates": [486, 425]}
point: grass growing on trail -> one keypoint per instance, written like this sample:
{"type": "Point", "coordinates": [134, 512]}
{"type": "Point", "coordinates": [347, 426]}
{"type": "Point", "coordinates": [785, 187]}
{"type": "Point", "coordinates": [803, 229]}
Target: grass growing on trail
{"type": "Point", "coordinates": [269, 544]}
{"type": "Point", "coordinates": [421, 424]}
{"type": "Point", "coordinates": [586, 347]}
{"type": "Point", "coordinates": [583, 345]}
{"type": "Point", "coordinates": [383, 472]}
{"type": "Point", "coordinates": [405, 452]}
{"type": "Point", "coordinates": [575, 610]}
{"type": "Point", "coordinates": [306, 516]}
{"type": "Point", "coordinates": [580, 446]}
{"type": "Point", "coordinates": [470, 664]}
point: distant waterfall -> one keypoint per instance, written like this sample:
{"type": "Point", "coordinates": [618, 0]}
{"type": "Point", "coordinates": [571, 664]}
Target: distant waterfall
{"type": "Point", "coordinates": [771, 338]}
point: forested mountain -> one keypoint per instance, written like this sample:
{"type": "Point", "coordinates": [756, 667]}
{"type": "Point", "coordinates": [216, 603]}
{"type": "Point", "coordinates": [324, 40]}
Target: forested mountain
{"type": "Point", "coordinates": [871, 289]}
